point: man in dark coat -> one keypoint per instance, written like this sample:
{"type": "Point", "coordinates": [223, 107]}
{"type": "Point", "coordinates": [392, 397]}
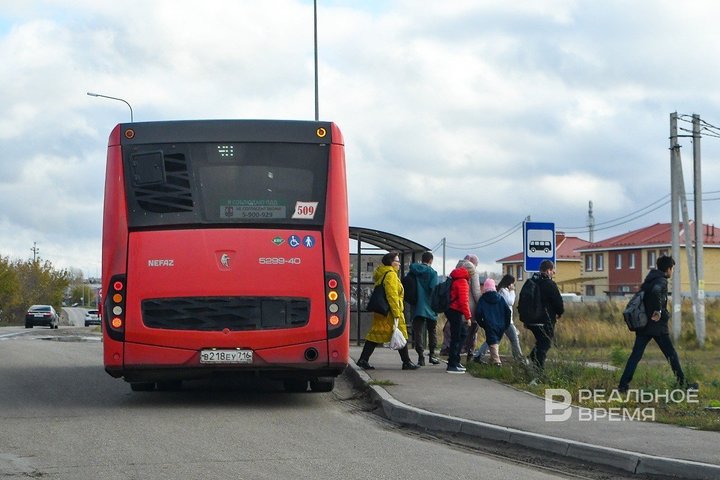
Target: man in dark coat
{"type": "Point", "coordinates": [554, 308]}
{"type": "Point", "coordinates": [656, 293]}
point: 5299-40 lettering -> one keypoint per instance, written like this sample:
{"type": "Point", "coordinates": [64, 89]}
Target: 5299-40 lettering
{"type": "Point", "coordinates": [279, 261]}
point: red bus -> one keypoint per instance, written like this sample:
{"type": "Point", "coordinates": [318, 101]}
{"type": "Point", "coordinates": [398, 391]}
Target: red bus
{"type": "Point", "coordinates": [225, 252]}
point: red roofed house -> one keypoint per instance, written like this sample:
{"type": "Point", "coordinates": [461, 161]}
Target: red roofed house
{"type": "Point", "coordinates": [568, 264]}
{"type": "Point", "coordinates": [618, 265]}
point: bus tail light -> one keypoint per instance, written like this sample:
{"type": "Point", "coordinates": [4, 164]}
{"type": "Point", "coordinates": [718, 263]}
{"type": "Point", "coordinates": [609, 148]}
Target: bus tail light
{"type": "Point", "coordinates": [335, 305]}
{"type": "Point", "coordinates": [114, 308]}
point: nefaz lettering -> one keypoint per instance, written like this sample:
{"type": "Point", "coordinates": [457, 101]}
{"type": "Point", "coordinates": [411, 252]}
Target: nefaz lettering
{"type": "Point", "coordinates": [161, 263]}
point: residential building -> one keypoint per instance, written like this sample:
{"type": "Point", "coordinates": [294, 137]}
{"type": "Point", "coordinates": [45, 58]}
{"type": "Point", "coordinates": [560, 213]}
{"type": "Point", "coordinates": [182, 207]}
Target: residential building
{"type": "Point", "coordinates": [618, 265]}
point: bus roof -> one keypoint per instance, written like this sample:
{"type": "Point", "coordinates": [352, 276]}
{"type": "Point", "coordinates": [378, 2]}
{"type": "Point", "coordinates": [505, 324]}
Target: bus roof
{"type": "Point", "coordinates": [292, 131]}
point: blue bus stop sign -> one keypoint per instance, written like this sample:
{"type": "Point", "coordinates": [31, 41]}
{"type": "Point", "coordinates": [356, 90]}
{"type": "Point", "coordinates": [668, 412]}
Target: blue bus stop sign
{"type": "Point", "coordinates": [538, 244]}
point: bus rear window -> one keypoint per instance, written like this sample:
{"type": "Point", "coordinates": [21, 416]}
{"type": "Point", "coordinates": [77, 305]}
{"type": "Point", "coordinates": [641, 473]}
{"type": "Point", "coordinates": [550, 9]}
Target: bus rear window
{"type": "Point", "coordinates": [226, 183]}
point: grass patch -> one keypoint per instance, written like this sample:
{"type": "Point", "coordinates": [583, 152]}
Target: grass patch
{"type": "Point", "coordinates": [382, 383]}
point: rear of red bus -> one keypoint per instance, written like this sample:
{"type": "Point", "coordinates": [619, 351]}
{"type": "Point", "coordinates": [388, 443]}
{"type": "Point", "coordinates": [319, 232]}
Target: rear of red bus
{"type": "Point", "coordinates": [226, 252]}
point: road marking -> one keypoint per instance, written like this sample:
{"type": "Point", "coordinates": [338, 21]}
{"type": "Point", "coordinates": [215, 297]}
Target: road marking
{"type": "Point", "coordinates": [14, 334]}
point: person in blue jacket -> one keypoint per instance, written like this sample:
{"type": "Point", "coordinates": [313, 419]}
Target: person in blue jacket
{"type": "Point", "coordinates": [493, 315]}
{"type": "Point", "coordinates": [424, 316]}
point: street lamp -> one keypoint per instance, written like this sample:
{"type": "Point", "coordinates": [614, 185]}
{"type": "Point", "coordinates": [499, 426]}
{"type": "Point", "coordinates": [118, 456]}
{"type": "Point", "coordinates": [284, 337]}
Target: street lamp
{"type": "Point", "coordinates": [317, 106]}
{"type": "Point", "coordinates": [114, 98]}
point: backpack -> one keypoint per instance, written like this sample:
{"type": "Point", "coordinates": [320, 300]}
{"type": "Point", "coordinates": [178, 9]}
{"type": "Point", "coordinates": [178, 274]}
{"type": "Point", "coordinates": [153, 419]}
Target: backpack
{"type": "Point", "coordinates": [410, 286]}
{"type": "Point", "coordinates": [440, 296]}
{"type": "Point", "coordinates": [530, 306]}
{"type": "Point", "coordinates": [634, 313]}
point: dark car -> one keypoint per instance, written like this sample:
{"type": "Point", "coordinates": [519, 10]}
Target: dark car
{"type": "Point", "coordinates": [41, 315]}
{"type": "Point", "coordinates": [92, 317]}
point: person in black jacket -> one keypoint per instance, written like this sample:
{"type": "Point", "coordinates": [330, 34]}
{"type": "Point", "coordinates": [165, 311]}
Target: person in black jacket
{"type": "Point", "coordinates": [656, 293]}
{"type": "Point", "coordinates": [554, 308]}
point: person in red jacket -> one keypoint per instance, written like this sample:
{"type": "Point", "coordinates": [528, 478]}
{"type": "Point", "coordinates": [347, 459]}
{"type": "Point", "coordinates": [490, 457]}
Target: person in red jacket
{"type": "Point", "coordinates": [459, 316]}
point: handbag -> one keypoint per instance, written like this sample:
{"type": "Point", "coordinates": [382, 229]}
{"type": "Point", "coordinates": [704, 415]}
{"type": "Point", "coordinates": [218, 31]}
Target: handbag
{"type": "Point", "coordinates": [378, 300]}
{"type": "Point", "coordinates": [397, 341]}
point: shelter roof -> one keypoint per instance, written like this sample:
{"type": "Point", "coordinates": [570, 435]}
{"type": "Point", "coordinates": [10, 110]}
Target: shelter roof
{"type": "Point", "coordinates": [386, 241]}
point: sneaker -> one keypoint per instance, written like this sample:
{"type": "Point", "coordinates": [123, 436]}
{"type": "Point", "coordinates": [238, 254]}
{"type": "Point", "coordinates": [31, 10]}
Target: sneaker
{"type": "Point", "coordinates": [692, 387]}
{"type": "Point", "coordinates": [409, 366]}
{"type": "Point", "coordinates": [454, 370]}
{"type": "Point", "coordinates": [364, 365]}
{"type": "Point", "coordinates": [461, 367]}
{"type": "Point", "coordinates": [434, 360]}
{"type": "Point", "coordinates": [421, 360]}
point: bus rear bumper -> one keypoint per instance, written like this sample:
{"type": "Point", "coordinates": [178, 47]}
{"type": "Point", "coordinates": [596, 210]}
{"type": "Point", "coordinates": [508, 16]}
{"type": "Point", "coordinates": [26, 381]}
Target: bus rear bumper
{"type": "Point", "coordinates": [147, 363]}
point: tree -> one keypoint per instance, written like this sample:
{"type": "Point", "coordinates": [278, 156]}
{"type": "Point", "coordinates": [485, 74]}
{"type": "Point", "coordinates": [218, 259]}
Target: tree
{"type": "Point", "coordinates": [8, 287]}
{"type": "Point", "coordinates": [36, 282]}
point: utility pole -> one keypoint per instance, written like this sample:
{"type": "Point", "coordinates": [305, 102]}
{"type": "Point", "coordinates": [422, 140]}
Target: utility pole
{"type": "Point", "coordinates": [699, 300]}
{"type": "Point", "coordinates": [674, 220]}
{"type": "Point", "coordinates": [591, 222]}
{"type": "Point", "coordinates": [36, 251]}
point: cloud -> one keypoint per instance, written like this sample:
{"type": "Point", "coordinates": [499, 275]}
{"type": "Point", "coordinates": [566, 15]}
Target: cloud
{"type": "Point", "coordinates": [460, 118]}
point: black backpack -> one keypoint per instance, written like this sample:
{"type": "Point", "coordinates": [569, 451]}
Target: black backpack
{"type": "Point", "coordinates": [440, 297]}
{"type": "Point", "coordinates": [410, 286]}
{"type": "Point", "coordinates": [634, 313]}
{"type": "Point", "coordinates": [530, 305]}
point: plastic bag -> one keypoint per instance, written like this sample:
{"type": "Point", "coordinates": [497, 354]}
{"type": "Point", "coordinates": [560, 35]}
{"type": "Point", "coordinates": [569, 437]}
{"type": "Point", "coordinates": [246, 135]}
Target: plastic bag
{"type": "Point", "coordinates": [397, 341]}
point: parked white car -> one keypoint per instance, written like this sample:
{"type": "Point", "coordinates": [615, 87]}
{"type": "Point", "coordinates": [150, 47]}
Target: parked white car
{"type": "Point", "coordinates": [92, 317]}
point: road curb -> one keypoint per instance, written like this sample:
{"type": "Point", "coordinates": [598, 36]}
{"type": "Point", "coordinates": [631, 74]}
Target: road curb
{"type": "Point", "coordinates": [631, 462]}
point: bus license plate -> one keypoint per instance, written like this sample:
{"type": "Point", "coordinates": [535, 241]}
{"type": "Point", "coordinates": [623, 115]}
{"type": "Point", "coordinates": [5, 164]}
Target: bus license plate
{"type": "Point", "coordinates": [226, 356]}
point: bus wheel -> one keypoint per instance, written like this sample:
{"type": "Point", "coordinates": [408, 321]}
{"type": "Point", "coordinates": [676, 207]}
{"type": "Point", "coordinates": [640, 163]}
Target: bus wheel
{"type": "Point", "coordinates": [142, 386]}
{"type": "Point", "coordinates": [325, 384]}
{"type": "Point", "coordinates": [295, 385]}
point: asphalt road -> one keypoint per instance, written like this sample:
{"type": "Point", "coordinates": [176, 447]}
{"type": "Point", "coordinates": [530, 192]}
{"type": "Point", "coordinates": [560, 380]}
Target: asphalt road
{"type": "Point", "coordinates": [63, 417]}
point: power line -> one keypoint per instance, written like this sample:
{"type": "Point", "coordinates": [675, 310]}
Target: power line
{"type": "Point", "coordinates": [511, 230]}
{"type": "Point", "coordinates": [485, 243]}
{"type": "Point", "coordinates": [636, 214]}
{"type": "Point", "coordinates": [584, 227]}
{"type": "Point", "coordinates": [620, 223]}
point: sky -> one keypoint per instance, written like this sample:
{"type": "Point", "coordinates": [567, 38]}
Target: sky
{"type": "Point", "coordinates": [461, 118]}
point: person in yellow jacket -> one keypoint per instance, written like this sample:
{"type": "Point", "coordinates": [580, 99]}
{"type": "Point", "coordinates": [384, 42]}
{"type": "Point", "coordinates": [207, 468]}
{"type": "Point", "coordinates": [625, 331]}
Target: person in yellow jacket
{"type": "Point", "coordinates": [382, 326]}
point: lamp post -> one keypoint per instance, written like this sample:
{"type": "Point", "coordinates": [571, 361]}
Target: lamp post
{"type": "Point", "coordinates": [114, 98]}
{"type": "Point", "coordinates": [317, 105]}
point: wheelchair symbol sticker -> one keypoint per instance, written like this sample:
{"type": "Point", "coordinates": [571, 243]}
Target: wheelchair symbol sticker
{"type": "Point", "coordinates": [294, 241]}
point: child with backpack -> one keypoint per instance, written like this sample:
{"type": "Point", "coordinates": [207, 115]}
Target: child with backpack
{"type": "Point", "coordinates": [470, 263]}
{"type": "Point", "coordinates": [493, 314]}
{"type": "Point", "coordinates": [459, 316]}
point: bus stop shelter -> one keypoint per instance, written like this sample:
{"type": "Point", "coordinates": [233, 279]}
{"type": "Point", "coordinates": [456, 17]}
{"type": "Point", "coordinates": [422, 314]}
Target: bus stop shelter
{"type": "Point", "coordinates": [374, 242]}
